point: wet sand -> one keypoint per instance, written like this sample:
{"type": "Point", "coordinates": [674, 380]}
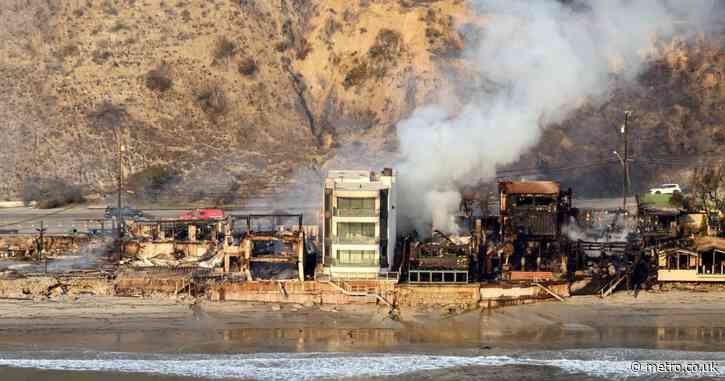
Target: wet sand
{"type": "Point", "coordinates": [675, 320]}
{"type": "Point", "coordinates": [18, 374]}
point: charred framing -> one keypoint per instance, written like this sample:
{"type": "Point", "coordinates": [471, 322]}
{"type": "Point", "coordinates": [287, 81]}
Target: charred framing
{"type": "Point", "coordinates": [275, 252]}
{"type": "Point", "coordinates": [532, 214]}
{"type": "Point", "coordinates": [30, 246]}
{"type": "Point", "coordinates": [234, 245]}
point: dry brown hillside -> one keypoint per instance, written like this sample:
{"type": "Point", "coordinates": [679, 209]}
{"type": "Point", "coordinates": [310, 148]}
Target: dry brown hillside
{"type": "Point", "coordinates": [678, 123]}
{"type": "Point", "coordinates": [243, 92]}
{"type": "Point", "coordinates": [221, 89]}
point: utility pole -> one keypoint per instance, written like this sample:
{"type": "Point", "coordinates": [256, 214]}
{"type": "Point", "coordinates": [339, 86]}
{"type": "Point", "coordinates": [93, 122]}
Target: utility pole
{"type": "Point", "coordinates": [625, 162]}
{"type": "Point", "coordinates": [119, 206]}
{"type": "Point", "coordinates": [41, 245]}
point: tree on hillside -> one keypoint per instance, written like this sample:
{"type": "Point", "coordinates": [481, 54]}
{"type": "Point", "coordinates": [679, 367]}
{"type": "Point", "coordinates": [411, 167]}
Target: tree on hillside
{"type": "Point", "coordinates": [707, 183]}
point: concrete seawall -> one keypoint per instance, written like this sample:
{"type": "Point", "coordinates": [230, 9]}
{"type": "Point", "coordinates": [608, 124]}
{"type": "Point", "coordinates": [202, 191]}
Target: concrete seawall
{"type": "Point", "coordinates": [289, 291]}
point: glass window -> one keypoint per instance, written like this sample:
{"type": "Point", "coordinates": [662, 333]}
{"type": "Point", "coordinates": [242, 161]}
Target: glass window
{"type": "Point", "coordinates": [357, 257]}
{"type": "Point", "coordinates": [355, 230]}
{"type": "Point", "coordinates": [355, 203]}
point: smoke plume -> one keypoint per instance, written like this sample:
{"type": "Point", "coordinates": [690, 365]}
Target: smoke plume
{"type": "Point", "coordinates": [537, 61]}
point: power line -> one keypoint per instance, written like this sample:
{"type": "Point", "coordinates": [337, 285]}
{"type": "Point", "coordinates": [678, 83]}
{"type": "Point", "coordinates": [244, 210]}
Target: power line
{"type": "Point", "coordinates": [533, 171]}
{"type": "Point", "coordinates": [644, 161]}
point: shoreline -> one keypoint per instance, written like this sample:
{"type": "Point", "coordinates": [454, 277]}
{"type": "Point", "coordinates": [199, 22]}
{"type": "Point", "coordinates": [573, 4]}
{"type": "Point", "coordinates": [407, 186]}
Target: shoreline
{"type": "Point", "coordinates": [677, 320]}
{"type": "Point", "coordinates": [90, 335]}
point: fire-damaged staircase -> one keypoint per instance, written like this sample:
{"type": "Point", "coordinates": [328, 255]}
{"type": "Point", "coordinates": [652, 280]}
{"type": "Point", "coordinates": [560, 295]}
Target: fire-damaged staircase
{"type": "Point", "coordinates": [612, 285]}
{"type": "Point", "coordinates": [352, 289]}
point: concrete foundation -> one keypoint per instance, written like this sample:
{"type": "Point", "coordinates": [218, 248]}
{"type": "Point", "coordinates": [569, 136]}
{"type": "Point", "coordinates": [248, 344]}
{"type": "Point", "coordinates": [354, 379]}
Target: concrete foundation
{"type": "Point", "coordinates": [499, 295]}
{"type": "Point", "coordinates": [148, 285]}
{"type": "Point", "coordinates": [289, 291]}
{"type": "Point", "coordinates": [422, 295]}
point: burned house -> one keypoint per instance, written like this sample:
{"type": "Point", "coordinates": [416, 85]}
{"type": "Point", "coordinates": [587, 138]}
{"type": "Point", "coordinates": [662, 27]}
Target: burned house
{"type": "Point", "coordinates": [704, 262]}
{"type": "Point", "coordinates": [454, 257]}
{"type": "Point", "coordinates": [30, 246]}
{"type": "Point", "coordinates": [270, 248]}
{"type": "Point", "coordinates": [532, 214]}
{"type": "Point", "coordinates": [221, 245]}
{"type": "Point", "coordinates": [659, 219]}
{"type": "Point", "coordinates": [174, 242]}
{"type": "Point", "coordinates": [443, 258]}
{"type": "Point", "coordinates": [359, 225]}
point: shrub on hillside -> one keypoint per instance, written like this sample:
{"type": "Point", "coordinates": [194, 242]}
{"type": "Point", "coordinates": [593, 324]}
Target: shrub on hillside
{"type": "Point", "coordinates": [108, 116]}
{"type": "Point", "coordinates": [212, 100]}
{"type": "Point", "coordinates": [224, 49]}
{"type": "Point", "coordinates": [50, 192]}
{"type": "Point", "coordinates": [109, 8]}
{"type": "Point", "coordinates": [356, 76]}
{"type": "Point", "coordinates": [388, 45]}
{"type": "Point", "coordinates": [119, 26]}
{"type": "Point", "coordinates": [68, 50]}
{"type": "Point", "coordinates": [151, 182]}
{"type": "Point", "coordinates": [158, 79]}
{"type": "Point", "coordinates": [248, 67]}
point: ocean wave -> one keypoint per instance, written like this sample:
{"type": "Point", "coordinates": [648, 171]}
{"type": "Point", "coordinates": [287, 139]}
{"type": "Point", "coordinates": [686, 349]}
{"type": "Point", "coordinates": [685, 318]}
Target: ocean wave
{"type": "Point", "coordinates": [610, 363]}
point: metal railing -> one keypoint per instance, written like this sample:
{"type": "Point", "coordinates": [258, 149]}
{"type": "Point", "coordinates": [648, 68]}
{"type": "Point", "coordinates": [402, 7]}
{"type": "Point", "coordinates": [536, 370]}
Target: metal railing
{"type": "Point", "coordinates": [356, 212]}
{"type": "Point", "coordinates": [437, 276]}
{"type": "Point", "coordinates": [389, 275]}
{"type": "Point", "coordinates": [381, 275]}
{"type": "Point", "coordinates": [337, 262]}
{"type": "Point", "coordinates": [357, 240]}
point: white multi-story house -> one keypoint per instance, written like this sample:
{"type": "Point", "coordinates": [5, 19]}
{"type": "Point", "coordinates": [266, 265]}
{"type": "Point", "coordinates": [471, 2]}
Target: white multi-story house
{"type": "Point", "coordinates": [359, 229]}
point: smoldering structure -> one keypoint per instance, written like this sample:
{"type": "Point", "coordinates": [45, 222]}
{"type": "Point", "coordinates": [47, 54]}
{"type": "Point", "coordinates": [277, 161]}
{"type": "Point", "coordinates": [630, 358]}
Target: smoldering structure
{"type": "Point", "coordinates": [222, 246]}
{"type": "Point", "coordinates": [29, 246]}
{"type": "Point", "coordinates": [530, 233]}
{"type": "Point", "coordinates": [532, 217]}
{"type": "Point", "coordinates": [511, 242]}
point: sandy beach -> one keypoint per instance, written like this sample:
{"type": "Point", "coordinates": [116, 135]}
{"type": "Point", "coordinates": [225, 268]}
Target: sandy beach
{"type": "Point", "coordinates": [667, 321]}
{"type": "Point", "coordinates": [672, 319]}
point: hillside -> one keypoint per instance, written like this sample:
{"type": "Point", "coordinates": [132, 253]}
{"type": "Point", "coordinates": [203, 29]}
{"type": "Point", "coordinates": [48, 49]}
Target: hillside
{"type": "Point", "coordinates": [237, 95]}
{"type": "Point", "coordinates": [678, 122]}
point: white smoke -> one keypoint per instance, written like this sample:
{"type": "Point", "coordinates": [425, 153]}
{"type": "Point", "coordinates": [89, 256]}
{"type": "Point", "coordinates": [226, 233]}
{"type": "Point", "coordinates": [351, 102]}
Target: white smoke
{"type": "Point", "coordinates": [446, 201]}
{"type": "Point", "coordinates": [545, 59]}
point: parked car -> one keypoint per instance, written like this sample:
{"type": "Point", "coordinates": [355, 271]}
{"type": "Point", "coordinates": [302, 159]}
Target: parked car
{"type": "Point", "coordinates": [203, 214]}
{"type": "Point", "coordinates": [666, 189]}
{"type": "Point", "coordinates": [125, 212]}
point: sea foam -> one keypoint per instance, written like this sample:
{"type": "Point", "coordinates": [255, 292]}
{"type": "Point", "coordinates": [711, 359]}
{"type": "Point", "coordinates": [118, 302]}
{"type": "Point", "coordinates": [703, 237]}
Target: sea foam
{"type": "Point", "coordinates": [610, 363]}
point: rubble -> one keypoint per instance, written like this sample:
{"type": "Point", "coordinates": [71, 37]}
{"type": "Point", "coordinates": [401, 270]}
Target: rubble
{"type": "Point", "coordinates": [211, 244]}
{"type": "Point", "coordinates": [534, 245]}
{"type": "Point", "coordinates": [25, 246]}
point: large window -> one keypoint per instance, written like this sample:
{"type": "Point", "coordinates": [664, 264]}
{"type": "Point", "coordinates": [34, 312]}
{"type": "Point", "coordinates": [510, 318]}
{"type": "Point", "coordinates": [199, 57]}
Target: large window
{"type": "Point", "coordinates": [356, 231]}
{"type": "Point", "coordinates": [355, 207]}
{"type": "Point", "coordinates": [357, 257]}
{"type": "Point", "coordinates": [355, 203]}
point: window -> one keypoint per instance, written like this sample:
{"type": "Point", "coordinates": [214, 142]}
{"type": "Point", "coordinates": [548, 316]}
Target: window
{"type": "Point", "coordinates": [355, 230]}
{"type": "Point", "coordinates": [545, 201]}
{"type": "Point", "coordinates": [524, 201]}
{"type": "Point", "coordinates": [357, 257]}
{"type": "Point", "coordinates": [355, 203]}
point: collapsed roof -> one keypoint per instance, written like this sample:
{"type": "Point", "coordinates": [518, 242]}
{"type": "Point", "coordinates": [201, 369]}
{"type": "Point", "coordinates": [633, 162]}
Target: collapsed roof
{"type": "Point", "coordinates": [530, 187]}
{"type": "Point", "coordinates": [705, 244]}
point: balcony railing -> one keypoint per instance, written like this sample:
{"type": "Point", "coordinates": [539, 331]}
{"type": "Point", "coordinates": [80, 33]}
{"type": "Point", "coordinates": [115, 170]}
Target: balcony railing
{"type": "Point", "coordinates": [357, 240]}
{"type": "Point", "coordinates": [357, 212]}
{"type": "Point", "coordinates": [339, 262]}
